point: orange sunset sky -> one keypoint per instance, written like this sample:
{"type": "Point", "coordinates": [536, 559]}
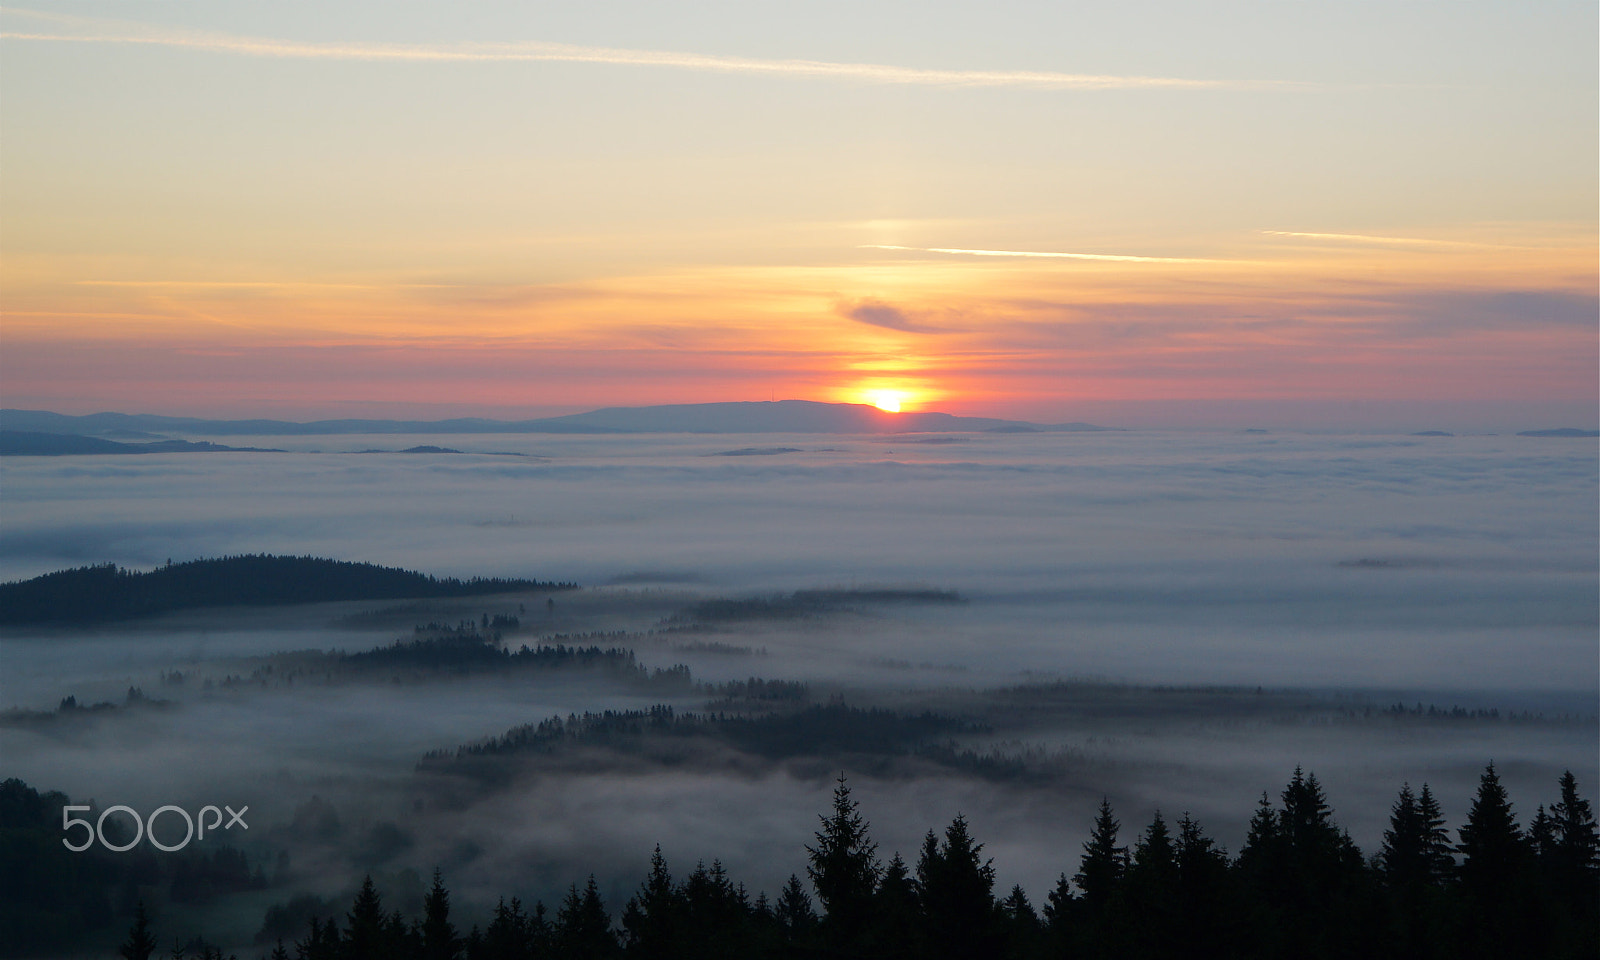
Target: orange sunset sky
{"type": "Point", "coordinates": [1032, 210]}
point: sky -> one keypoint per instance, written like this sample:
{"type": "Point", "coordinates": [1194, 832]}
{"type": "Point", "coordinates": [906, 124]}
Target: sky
{"type": "Point", "coordinates": [1047, 211]}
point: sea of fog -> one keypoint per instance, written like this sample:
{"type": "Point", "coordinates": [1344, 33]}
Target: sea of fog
{"type": "Point", "coordinates": [1435, 562]}
{"type": "Point", "coordinates": [1363, 569]}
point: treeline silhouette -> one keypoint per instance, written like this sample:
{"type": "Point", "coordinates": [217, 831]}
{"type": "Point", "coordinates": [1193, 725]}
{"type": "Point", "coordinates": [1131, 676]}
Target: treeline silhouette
{"type": "Point", "coordinates": [865, 736]}
{"type": "Point", "coordinates": [749, 722]}
{"type": "Point", "coordinates": [465, 651]}
{"type": "Point", "coordinates": [803, 603]}
{"type": "Point", "coordinates": [461, 648]}
{"type": "Point", "coordinates": [1299, 888]}
{"type": "Point", "coordinates": [108, 592]}
{"type": "Point", "coordinates": [70, 709]}
{"type": "Point", "coordinates": [454, 653]}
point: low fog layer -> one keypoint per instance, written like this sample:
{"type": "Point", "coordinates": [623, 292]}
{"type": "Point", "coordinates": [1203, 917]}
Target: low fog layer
{"type": "Point", "coordinates": [331, 771]}
{"type": "Point", "coordinates": [1339, 574]}
{"type": "Point", "coordinates": [1244, 558]}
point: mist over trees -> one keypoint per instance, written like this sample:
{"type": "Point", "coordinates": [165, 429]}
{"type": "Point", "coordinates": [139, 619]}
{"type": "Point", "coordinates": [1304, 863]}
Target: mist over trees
{"type": "Point", "coordinates": [1298, 887]}
{"type": "Point", "coordinates": [1140, 886]}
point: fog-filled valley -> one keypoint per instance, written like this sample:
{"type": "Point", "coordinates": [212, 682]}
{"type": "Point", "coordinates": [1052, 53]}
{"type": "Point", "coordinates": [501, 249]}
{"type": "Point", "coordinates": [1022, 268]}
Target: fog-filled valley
{"type": "Point", "coordinates": [1011, 627]}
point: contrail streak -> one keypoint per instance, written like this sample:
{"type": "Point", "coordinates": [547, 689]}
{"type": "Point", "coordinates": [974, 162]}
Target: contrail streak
{"type": "Point", "coordinates": [1121, 258]}
{"type": "Point", "coordinates": [257, 283]}
{"type": "Point", "coordinates": [109, 32]}
{"type": "Point", "coordinates": [1364, 238]}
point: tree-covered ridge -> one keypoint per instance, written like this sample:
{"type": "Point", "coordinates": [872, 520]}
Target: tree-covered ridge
{"type": "Point", "coordinates": [445, 652]}
{"type": "Point", "coordinates": [769, 730]}
{"type": "Point", "coordinates": [803, 603]}
{"type": "Point", "coordinates": [469, 652]}
{"type": "Point", "coordinates": [108, 592]}
{"type": "Point", "coordinates": [753, 724]}
{"type": "Point", "coordinates": [1299, 888]}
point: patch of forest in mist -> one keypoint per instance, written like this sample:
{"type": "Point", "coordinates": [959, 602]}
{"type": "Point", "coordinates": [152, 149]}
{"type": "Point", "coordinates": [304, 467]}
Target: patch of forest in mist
{"type": "Point", "coordinates": [1031, 742]}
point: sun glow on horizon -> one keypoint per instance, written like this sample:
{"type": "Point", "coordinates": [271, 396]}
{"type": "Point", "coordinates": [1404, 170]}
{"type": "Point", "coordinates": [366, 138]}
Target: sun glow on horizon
{"type": "Point", "coordinates": [886, 400]}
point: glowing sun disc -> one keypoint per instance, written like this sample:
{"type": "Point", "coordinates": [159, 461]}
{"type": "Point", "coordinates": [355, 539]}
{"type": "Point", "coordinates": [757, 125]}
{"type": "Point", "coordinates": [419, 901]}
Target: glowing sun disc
{"type": "Point", "coordinates": [886, 400]}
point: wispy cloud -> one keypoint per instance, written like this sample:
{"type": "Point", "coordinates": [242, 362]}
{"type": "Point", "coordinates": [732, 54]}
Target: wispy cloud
{"type": "Point", "coordinates": [1117, 257]}
{"type": "Point", "coordinates": [1365, 238]}
{"type": "Point", "coordinates": [879, 314]}
{"type": "Point", "coordinates": [93, 30]}
{"type": "Point", "coordinates": [257, 284]}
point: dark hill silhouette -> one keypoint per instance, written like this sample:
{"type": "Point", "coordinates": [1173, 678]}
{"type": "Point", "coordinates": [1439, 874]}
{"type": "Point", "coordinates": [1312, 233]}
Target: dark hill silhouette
{"type": "Point", "coordinates": [779, 416]}
{"type": "Point", "coordinates": [1560, 432]}
{"type": "Point", "coordinates": [22, 443]}
{"type": "Point", "coordinates": [107, 592]}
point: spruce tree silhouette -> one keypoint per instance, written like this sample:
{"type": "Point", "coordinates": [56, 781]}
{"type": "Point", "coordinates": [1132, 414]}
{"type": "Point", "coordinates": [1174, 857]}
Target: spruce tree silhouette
{"type": "Point", "coordinates": [514, 934]}
{"type": "Point", "coordinates": [439, 940]}
{"type": "Point", "coordinates": [717, 912]}
{"type": "Point", "coordinates": [1059, 906]}
{"type": "Point", "coordinates": [1542, 837]}
{"type": "Point", "coordinates": [1496, 857]}
{"type": "Point", "coordinates": [897, 927]}
{"type": "Point", "coordinates": [1416, 847]}
{"type": "Point", "coordinates": [1414, 864]}
{"type": "Point", "coordinates": [1151, 896]}
{"type": "Point", "coordinates": [1100, 874]}
{"type": "Point", "coordinates": [1577, 838]}
{"type": "Point", "coordinates": [141, 943]}
{"type": "Point", "coordinates": [1572, 869]}
{"type": "Point", "coordinates": [1306, 879]}
{"type": "Point", "coordinates": [364, 934]}
{"type": "Point", "coordinates": [652, 918]}
{"type": "Point", "coordinates": [1101, 869]}
{"type": "Point", "coordinates": [1207, 909]}
{"type": "Point", "coordinates": [1022, 934]}
{"type": "Point", "coordinates": [794, 909]}
{"type": "Point", "coordinates": [844, 870]}
{"type": "Point", "coordinates": [1491, 839]}
{"type": "Point", "coordinates": [321, 942]}
{"type": "Point", "coordinates": [1306, 824]}
{"type": "Point", "coordinates": [583, 928]}
{"type": "Point", "coordinates": [1436, 839]}
{"type": "Point", "coordinates": [956, 887]}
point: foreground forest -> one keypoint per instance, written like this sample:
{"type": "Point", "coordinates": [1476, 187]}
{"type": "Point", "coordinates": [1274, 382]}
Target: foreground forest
{"type": "Point", "coordinates": [1299, 887]}
{"type": "Point", "coordinates": [388, 754]}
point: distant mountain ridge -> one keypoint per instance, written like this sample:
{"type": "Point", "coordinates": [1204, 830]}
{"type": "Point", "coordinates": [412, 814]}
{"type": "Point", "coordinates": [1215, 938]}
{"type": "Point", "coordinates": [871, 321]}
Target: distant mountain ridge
{"type": "Point", "coordinates": [1560, 432]}
{"type": "Point", "coordinates": [765, 416]}
{"type": "Point", "coordinates": [15, 443]}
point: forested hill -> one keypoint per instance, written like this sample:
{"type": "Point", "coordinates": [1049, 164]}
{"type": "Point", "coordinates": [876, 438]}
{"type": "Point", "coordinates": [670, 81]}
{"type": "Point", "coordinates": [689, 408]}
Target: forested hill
{"type": "Point", "coordinates": [108, 592]}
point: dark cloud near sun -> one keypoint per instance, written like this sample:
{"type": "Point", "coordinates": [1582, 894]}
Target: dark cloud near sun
{"type": "Point", "coordinates": [877, 313]}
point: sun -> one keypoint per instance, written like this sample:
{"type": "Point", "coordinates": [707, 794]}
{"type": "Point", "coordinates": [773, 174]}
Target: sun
{"type": "Point", "coordinates": [887, 400]}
